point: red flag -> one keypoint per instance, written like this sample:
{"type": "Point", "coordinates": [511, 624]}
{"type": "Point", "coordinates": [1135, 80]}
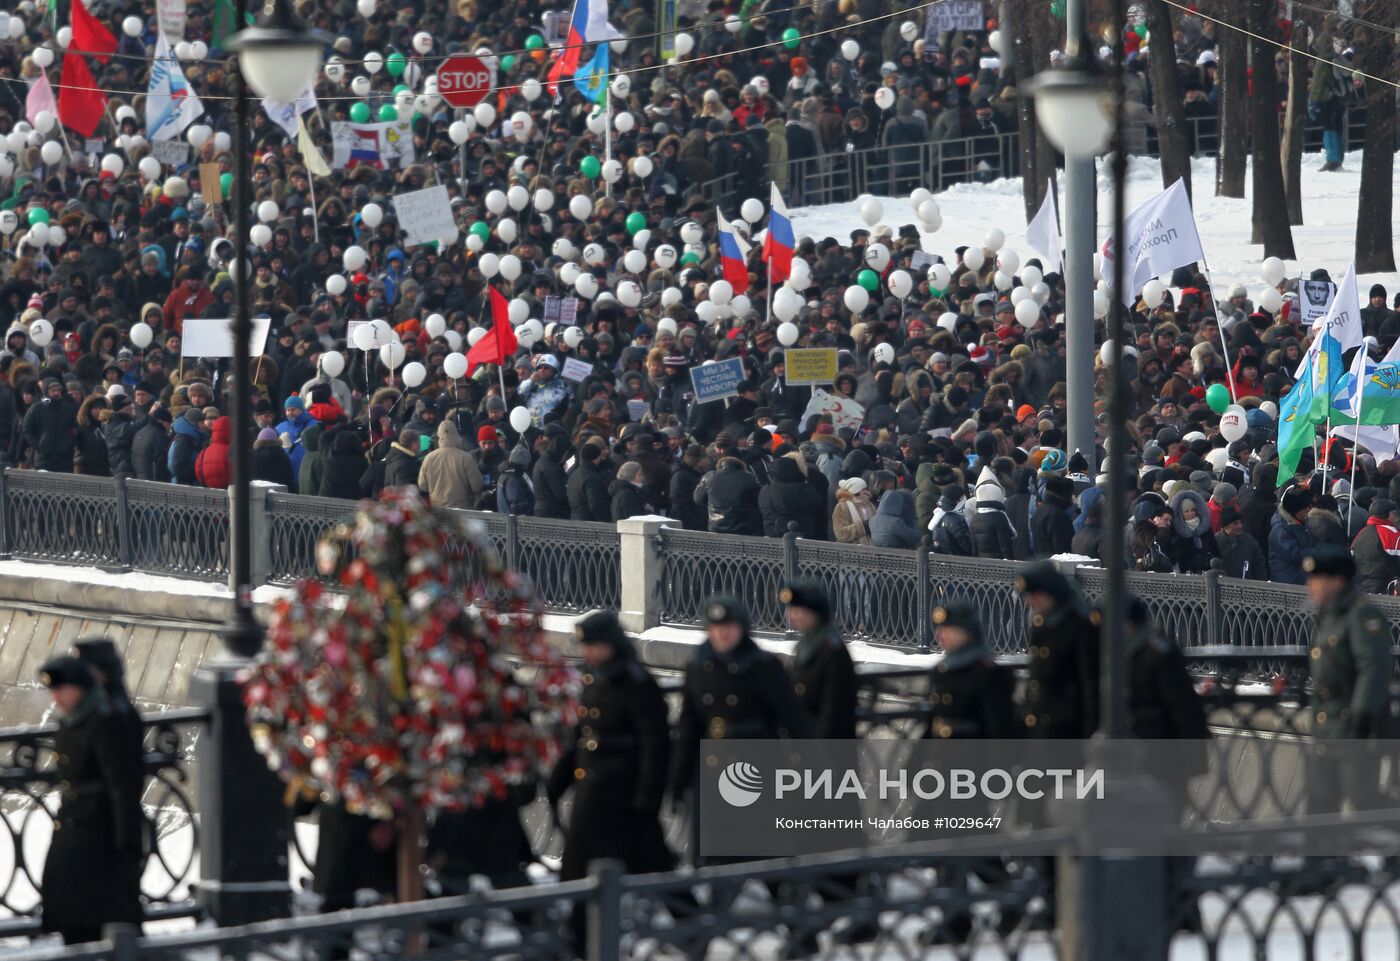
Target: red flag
{"type": "Point", "coordinates": [499, 344]}
{"type": "Point", "coordinates": [81, 105]}
{"type": "Point", "coordinates": [89, 34]}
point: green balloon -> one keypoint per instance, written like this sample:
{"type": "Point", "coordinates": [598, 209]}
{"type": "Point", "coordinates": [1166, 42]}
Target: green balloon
{"type": "Point", "coordinates": [508, 62]}
{"type": "Point", "coordinates": [1140, 29]}
{"type": "Point", "coordinates": [590, 167]}
{"type": "Point", "coordinates": [38, 215]}
{"type": "Point", "coordinates": [636, 221]}
{"type": "Point", "coordinates": [225, 184]}
{"type": "Point", "coordinates": [359, 112]}
{"type": "Point", "coordinates": [534, 42]}
{"type": "Point", "coordinates": [868, 279]}
{"type": "Point", "coordinates": [387, 113]}
{"type": "Point", "coordinates": [395, 64]}
{"type": "Point", "coordinates": [402, 88]}
{"type": "Point", "coordinates": [480, 229]}
{"type": "Point", "coordinates": [1218, 397]}
{"type": "Point", "coordinates": [792, 37]}
{"type": "Point", "coordinates": [935, 293]}
{"type": "Point", "coordinates": [1057, 10]}
{"type": "Point", "coordinates": [689, 257]}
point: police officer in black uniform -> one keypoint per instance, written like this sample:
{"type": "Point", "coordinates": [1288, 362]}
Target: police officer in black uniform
{"type": "Point", "coordinates": [1351, 668]}
{"type": "Point", "coordinates": [105, 664]}
{"type": "Point", "coordinates": [823, 676]}
{"type": "Point", "coordinates": [617, 763]}
{"type": "Point", "coordinates": [970, 694]}
{"type": "Point", "coordinates": [1062, 693]}
{"type": "Point", "coordinates": [92, 875]}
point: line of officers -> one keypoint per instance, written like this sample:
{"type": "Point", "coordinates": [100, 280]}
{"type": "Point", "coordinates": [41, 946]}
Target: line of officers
{"type": "Point", "coordinates": [624, 760]}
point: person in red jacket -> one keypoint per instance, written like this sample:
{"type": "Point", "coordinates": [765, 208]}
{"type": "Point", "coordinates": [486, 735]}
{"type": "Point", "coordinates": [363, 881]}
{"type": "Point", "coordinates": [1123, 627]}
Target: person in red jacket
{"type": "Point", "coordinates": [212, 468]}
{"type": "Point", "coordinates": [188, 299]}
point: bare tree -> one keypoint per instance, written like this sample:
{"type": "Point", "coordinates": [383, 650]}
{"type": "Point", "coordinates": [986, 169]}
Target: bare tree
{"type": "Point", "coordinates": [1035, 33]}
{"type": "Point", "coordinates": [1233, 74]}
{"type": "Point", "coordinates": [1172, 142]}
{"type": "Point", "coordinates": [1295, 114]}
{"type": "Point", "coordinates": [1374, 246]}
{"type": "Point", "coordinates": [1270, 212]}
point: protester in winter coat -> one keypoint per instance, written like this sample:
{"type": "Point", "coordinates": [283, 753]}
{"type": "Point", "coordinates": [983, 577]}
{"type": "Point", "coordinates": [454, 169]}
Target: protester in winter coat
{"type": "Point", "coordinates": [401, 464]}
{"type": "Point", "coordinates": [787, 499]}
{"type": "Point", "coordinates": [515, 492]}
{"type": "Point", "coordinates": [212, 468]}
{"type": "Point", "coordinates": [628, 492]}
{"type": "Point", "coordinates": [1053, 529]}
{"type": "Point", "coordinates": [951, 532]}
{"type": "Point", "coordinates": [730, 494]}
{"type": "Point", "coordinates": [1290, 540]}
{"type": "Point", "coordinates": [1325, 522]}
{"type": "Point", "coordinates": [684, 480]}
{"type": "Point", "coordinates": [850, 521]}
{"type": "Point", "coordinates": [551, 483]}
{"type": "Point", "coordinates": [270, 460]}
{"type": "Point", "coordinates": [1151, 533]}
{"type": "Point", "coordinates": [119, 433]}
{"type": "Point", "coordinates": [187, 440]}
{"type": "Point", "coordinates": [1191, 545]}
{"type": "Point", "coordinates": [450, 474]}
{"type": "Point", "coordinates": [587, 487]}
{"type": "Point", "coordinates": [1240, 554]}
{"type": "Point", "coordinates": [342, 459]}
{"type": "Point", "coordinates": [297, 420]}
{"type": "Point", "coordinates": [311, 471]}
{"type": "Point", "coordinates": [1377, 548]}
{"type": "Point", "coordinates": [151, 446]}
{"type": "Point", "coordinates": [927, 491]}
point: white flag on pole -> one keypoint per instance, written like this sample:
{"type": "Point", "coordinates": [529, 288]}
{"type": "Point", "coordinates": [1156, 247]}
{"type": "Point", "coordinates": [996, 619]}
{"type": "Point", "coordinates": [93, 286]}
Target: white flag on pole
{"type": "Point", "coordinates": [171, 104]}
{"type": "Point", "coordinates": [1383, 441]}
{"type": "Point", "coordinates": [285, 115]}
{"type": "Point", "coordinates": [1161, 237]}
{"type": "Point", "coordinates": [1043, 232]}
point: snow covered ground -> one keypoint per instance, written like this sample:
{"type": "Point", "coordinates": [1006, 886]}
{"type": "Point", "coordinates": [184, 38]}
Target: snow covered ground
{"type": "Point", "coordinates": [1326, 239]}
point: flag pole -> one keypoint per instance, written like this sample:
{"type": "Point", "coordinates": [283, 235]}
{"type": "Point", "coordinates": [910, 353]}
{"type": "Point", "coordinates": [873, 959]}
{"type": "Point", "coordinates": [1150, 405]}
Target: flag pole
{"type": "Point", "coordinates": [607, 136]}
{"type": "Point", "coordinates": [1356, 435]}
{"type": "Point", "coordinates": [768, 309]}
{"type": "Point", "coordinates": [1224, 346]}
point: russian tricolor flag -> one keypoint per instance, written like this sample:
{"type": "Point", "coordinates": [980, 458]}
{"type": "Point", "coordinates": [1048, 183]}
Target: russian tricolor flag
{"type": "Point", "coordinates": [779, 244]}
{"type": "Point", "coordinates": [589, 24]}
{"type": "Point", "coordinates": [733, 255]}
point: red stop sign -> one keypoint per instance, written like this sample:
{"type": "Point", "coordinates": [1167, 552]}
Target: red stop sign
{"type": "Point", "coordinates": [464, 81]}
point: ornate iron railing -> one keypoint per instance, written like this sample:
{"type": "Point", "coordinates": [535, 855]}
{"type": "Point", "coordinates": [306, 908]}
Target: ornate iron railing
{"type": "Point", "coordinates": [176, 530]}
{"type": "Point", "coordinates": [29, 802]}
{"type": "Point", "coordinates": [295, 524]}
{"type": "Point", "coordinates": [574, 565]}
{"type": "Point", "coordinates": [66, 518]}
{"type": "Point", "coordinates": [697, 566]}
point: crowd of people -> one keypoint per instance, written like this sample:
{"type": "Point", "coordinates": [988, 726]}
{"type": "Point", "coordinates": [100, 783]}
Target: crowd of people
{"type": "Point", "coordinates": [960, 444]}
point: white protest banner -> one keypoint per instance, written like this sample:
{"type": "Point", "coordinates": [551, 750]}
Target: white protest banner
{"type": "Point", "coordinates": [576, 370]}
{"type": "Point", "coordinates": [172, 18]}
{"type": "Point", "coordinates": [921, 260]}
{"type": "Point", "coordinates": [424, 215]}
{"type": "Point", "coordinates": [957, 15]}
{"type": "Point", "coordinates": [384, 146]}
{"type": "Point", "coordinates": [844, 411]}
{"type": "Point", "coordinates": [172, 153]}
{"type": "Point", "coordinates": [204, 337]}
{"type": "Point", "coordinates": [1314, 297]}
{"type": "Point", "coordinates": [1162, 237]}
{"type": "Point", "coordinates": [637, 409]}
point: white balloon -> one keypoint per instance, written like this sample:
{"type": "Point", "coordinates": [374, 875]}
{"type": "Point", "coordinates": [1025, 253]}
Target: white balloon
{"type": "Point", "coordinates": [800, 277]}
{"type": "Point", "coordinates": [520, 420]}
{"type": "Point", "coordinates": [199, 135]}
{"type": "Point", "coordinates": [531, 89]}
{"type": "Point", "coordinates": [64, 36]}
{"type": "Point", "coordinates": [641, 240]}
{"type": "Point", "coordinates": [856, 298]}
{"type": "Point", "coordinates": [391, 355]}
{"type": "Point", "coordinates": [1020, 294]}
{"type": "Point", "coordinates": [1027, 313]}
{"type": "Point", "coordinates": [15, 26]}
{"type": "Point", "coordinates": [374, 62]}
{"type": "Point", "coordinates": [634, 261]}
{"type": "Point", "coordinates": [496, 201]}
{"type": "Point", "coordinates": [544, 199]}
{"type": "Point", "coordinates": [629, 293]}
{"type": "Point", "coordinates": [268, 211]}
{"type": "Point", "coordinates": [850, 49]}
{"type": "Point", "coordinates": [510, 267]}
{"type": "Point", "coordinates": [786, 303]}
{"type": "Point", "coordinates": [721, 292]}
{"type": "Point", "coordinates": [788, 333]}
{"type": "Point", "coordinates": [1272, 270]}
{"type": "Point", "coordinates": [580, 206]}
{"type": "Point", "coordinates": [414, 374]}
{"type": "Point", "coordinates": [569, 272]}
{"type": "Point", "coordinates": [435, 325]}
{"type": "Point", "coordinates": [423, 41]}
{"type": "Point", "coordinates": [1009, 261]}
{"type": "Point", "coordinates": [335, 70]}
{"type": "Point", "coordinates": [360, 86]}
{"type": "Point", "coordinates": [973, 258]}
{"type": "Point", "coordinates": [44, 121]}
{"type": "Point", "coordinates": [175, 188]}
{"type": "Point", "coordinates": [223, 142]}
{"type": "Point", "coordinates": [57, 235]}
{"type": "Point", "coordinates": [518, 197]}
{"type": "Point", "coordinates": [333, 361]}
{"type": "Point", "coordinates": [372, 215]}
{"type": "Point", "coordinates": [665, 256]}
{"type": "Point", "coordinates": [489, 265]}
{"type": "Point", "coordinates": [707, 311]}
{"type": "Point", "coordinates": [564, 249]}
{"type": "Point", "coordinates": [669, 297]}
{"type": "Point", "coordinates": [593, 254]}
{"type": "Point", "coordinates": [518, 311]}
{"type": "Point", "coordinates": [994, 240]}
{"type": "Point", "coordinates": [507, 229]}
{"type": "Point", "coordinates": [1041, 293]}
{"type": "Point", "coordinates": [1100, 305]}
{"type": "Point", "coordinates": [475, 243]}
{"type": "Point", "coordinates": [521, 124]}
{"type": "Point", "coordinates": [1002, 280]}
{"type": "Point", "coordinates": [38, 234]}
{"type": "Point", "coordinates": [199, 50]}
{"type": "Point", "coordinates": [642, 166]}
{"type": "Point", "coordinates": [691, 232]}
{"type": "Point", "coordinates": [624, 122]}
{"type": "Point", "coordinates": [884, 98]}
{"type": "Point", "coordinates": [529, 333]}
{"type": "Point", "coordinates": [1152, 292]}
{"type": "Point", "coordinates": [751, 210]}
{"type": "Point", "coordinates": [51, 152]}
{"type": "Point", "coordinates": [7, 167]}
{"type": "Point", "coordinates": [586, 286]}
{"type": "Point", "coordinates": [1233, 425]}
{"type": "Point", "coordinates": [485, 114]}
{"type": "Point", "coordinates": [939, 277]}
{"type": "Point", "coordinates": [877, 257]}
{"type": "Point", "coordinates": [994, 40]}
{"type": "Point", "coordinates": [43, 56]}
{"type": "Point", "coordinates": [366, 8]}
{"type": "Point", "coordinates": [336, 284]}
{"type": "Point", "coordinates": [684, 44]}
{"type": "Point", "coordinates": [612, 171]}
{"type": "Point", "coordinates": [597, 122]}
{"type": "Point", "coordinates": [871, 210]}
{"type": "Point", "coordinates": [900, 284]}
{"type": "Point", "coordinates": [948, 321]}
{"type": "Point", "coordinates": [1030, 276]}
{"type": "Point", "coordinates": [132, 26]}
{"type": "Point", "coordinates": [460, 130]}
{"type": "Point", "coordinates": [184, 50]}
{"type": "Point", "coordinates": [260, 235]}
{"type": "Point", "coordinates": [733, 24]}
{"type": "Point", "coordinates": [883, 354]}
{"type": "Point", "coordinates": [354, 258]}
{"type": "Point", "coordinates": [454, 365]}
{"type": "Point", "coordinates": [741, 306]}
{"type": "Point", "coordinates": [1270, 300]}
{"type": "Point", "coordinates": [141, 334]}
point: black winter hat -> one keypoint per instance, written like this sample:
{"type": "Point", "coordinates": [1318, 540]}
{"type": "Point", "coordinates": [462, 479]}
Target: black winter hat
{"type": "Point", "coordinates": [600, 627]}
{"type": "Point", "coordinates": [726, 610]}
{"type": "Point", "coordinates": [959, 614]}
{"type": "Point", "coordinates": [65, 670]}
{"type": "Point", "coordinates": [101, 654]}
{"type": "Point", "coordinates": [1330, 559]}
{"type": "Point", "coordinates": [1044, 577]}
{"type": "Point", "coordinates": [809, 594]}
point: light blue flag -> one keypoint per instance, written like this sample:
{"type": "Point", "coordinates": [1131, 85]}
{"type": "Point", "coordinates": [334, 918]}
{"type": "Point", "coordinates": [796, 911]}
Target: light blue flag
{"type": "Point", "coordinates": [592, 78]}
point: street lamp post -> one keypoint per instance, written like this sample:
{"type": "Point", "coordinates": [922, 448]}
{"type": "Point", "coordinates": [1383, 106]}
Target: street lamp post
{"type": "Point", "coordinates": [243, 840]}
{"type": "Point", "coordinates": [1118, 900]}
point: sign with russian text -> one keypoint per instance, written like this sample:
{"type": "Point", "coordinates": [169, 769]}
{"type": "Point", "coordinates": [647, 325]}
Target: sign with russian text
{"type": "Point", "coordinates": [810, 365]}
{"type": "Point", "coordinates": [718, 380]}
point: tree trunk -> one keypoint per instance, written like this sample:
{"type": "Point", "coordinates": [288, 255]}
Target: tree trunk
{"type": "Point", "coordinates": [1270, 213]}
{"type": "Point", "coordinates": [1295, 117]}
{"type": "Point", "coordinates": [1374, 249]}
{"type": "Point", "coordinates": [410, 870]}
{"type": "Point", "coordinates": [1030, 23]}
{"type": "Point", "coordinates": [1173, 145]}
{"type": "Point", "coordinates": [1234, 106]}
